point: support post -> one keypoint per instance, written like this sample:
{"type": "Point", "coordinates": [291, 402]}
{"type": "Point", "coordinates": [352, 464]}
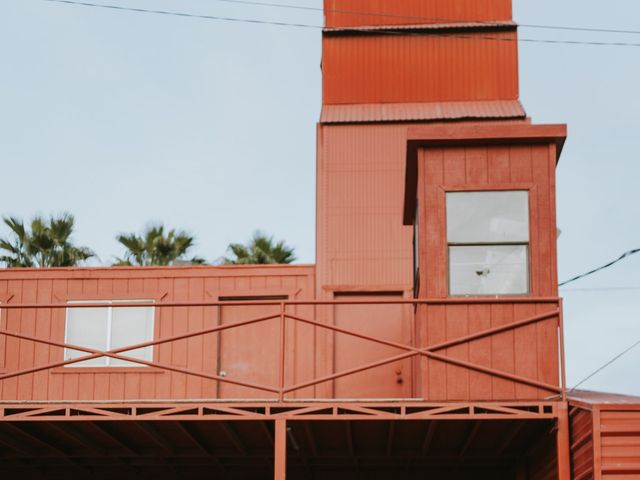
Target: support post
{"type": "Point", "coordinates": [280, 453]}
{"type": "Point", "coordinates": [563, 442]}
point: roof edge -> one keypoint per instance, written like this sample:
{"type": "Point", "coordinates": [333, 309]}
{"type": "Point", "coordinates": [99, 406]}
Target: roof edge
{"type": "Point", "coordinates": [471, 135]}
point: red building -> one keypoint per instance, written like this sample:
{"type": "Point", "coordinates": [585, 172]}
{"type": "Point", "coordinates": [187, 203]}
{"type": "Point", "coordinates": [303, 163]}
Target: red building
{"type": "Point", "coordinates": [426, 341]}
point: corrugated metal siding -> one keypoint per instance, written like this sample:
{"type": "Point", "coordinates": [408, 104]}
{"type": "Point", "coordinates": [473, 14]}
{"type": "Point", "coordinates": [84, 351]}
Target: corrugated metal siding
{"type": "Point", "coordinates": [420, 68]}
{"type": "Point", "coordinates": [388, 112]}
{"type": "Point", "coordinates": [620, 443]}
{"type": "Point", "coordinates": [173, 284]}
{"type": "Point", "coordinates": [360, 185]}
{"type": "Point", "coordinates": [582, 444]}
{"type": "Point", "coordinates": [342, 13]}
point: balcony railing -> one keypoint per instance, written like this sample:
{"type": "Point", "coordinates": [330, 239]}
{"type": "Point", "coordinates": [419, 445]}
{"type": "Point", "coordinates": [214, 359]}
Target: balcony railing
{"type": "Point", "coordinates": [421, 351]}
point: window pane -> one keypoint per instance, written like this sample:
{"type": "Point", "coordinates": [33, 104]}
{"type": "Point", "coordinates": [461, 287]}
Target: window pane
{"type": "Point", "coordinates": [86, 327]}
{"type": "Point", "coordinates": [129, 326]}
{"type": "Point", "coordinates": [489, 270]}
{"type": "Point", "coordinates": [488, 217]}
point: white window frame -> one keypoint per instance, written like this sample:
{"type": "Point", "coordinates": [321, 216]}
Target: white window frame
{"type": "Point", "coordinates": [109, 305]}
{"type": "Point", "coordinates": [526, 245]}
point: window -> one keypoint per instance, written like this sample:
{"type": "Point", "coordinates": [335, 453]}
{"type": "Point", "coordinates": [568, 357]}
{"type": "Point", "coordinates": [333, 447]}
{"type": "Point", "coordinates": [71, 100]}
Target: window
{"type": "Point", "coordinates": [107, 328]}
{"type": "Point", "coordinates": [488, 239]}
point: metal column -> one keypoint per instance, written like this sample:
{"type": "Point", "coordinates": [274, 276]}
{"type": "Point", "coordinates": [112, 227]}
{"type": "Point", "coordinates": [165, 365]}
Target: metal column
{"type": "Point", "coordinates": [563, 448]}
{"type": "Point", "coordinates": [280, 446]}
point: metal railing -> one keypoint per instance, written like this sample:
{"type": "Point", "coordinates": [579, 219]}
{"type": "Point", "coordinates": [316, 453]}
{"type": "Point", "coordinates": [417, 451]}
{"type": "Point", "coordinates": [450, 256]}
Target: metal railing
{"type": "Point", "coordinates": [284, 316]}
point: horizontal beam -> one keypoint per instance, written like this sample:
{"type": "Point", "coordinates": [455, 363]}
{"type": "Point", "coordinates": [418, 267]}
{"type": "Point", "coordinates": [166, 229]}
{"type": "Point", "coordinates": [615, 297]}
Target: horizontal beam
{"type": "Point", "coordinates": [254, 411]}
{"type": "Point", "coordinates": [427, 301]}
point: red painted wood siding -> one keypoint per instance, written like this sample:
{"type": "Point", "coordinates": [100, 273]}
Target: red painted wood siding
{"type": "Point", "coordinates": [168, 285]}
{"type": "Point", "coordinates": [344, 13]}
{"type": "Point", "coordinates": [530, 351]}
{"type": "Point", "coordinates": [488, 168]}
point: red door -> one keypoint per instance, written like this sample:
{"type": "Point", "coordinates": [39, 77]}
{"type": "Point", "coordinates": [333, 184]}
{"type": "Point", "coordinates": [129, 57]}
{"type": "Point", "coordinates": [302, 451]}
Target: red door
{"type": "Point", "coordinates": [249, 353]}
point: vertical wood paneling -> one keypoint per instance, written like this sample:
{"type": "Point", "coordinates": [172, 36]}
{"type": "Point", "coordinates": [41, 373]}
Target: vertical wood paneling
{"type": "Point", "coordinates": [502, 351]}
{"type": "Point", "coordinates": [531, 351]}
{"type": "Point", "coordinates": [27, 348]}
{"type": "Point", "coordinates": [197, 354]}
{"type": "Point", "coordinates": [42, 330]}
{"type": "Point", "coordinates": [480, 352]}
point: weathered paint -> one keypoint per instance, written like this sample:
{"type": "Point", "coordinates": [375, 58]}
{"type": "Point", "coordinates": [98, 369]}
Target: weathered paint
{"type": "Point", "coordinates": [349, 13]}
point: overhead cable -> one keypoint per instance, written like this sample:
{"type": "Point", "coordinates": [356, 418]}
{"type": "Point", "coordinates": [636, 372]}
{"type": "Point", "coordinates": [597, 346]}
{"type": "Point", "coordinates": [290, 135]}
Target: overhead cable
{"type": "Point", "coordinates": [610, 362]}
{"type": "Point", "coordinates": [595, 270]}
{"type": "Point", "coordinates": [421, 18]}
{"type": "Point", "coordinates": [319, 27]}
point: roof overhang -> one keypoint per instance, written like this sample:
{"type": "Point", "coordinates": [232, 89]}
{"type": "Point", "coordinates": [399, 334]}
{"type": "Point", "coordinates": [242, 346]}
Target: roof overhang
{"type": "Point", "coordinates": [471, 135]}
{"type": "Point", "coordinates": [422, 111]}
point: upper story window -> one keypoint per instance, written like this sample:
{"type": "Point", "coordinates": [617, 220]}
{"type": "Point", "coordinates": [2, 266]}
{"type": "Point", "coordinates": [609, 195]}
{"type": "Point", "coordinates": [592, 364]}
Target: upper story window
{"type": "Point", "coordinates": [107, 328]}
{"type": "Point", "coordinates": [488, 240]}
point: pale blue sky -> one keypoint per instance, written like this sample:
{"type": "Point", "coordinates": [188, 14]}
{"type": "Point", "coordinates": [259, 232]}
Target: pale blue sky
{"type": "Point", "coordinates": [124, 118]}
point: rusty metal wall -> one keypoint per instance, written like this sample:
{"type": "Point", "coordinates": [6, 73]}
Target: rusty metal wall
{"type": "Point", "coordinates": [159, 284]}
{"type": "Point", "coordinates": [348, 13]}
{"type": "Point", "coordinates": [420, 68]}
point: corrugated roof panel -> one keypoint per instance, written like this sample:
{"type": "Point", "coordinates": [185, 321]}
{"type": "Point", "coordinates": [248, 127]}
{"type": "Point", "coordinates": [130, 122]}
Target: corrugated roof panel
{"type": "Point", "coordinates": [431, 111]}
{"type": "Point", "coordinates": [602, 398]}
{"type": "Point", "coordinates": [346, 13]}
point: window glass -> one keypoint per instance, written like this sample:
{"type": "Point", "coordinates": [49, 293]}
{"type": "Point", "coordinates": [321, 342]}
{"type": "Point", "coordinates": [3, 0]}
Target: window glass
{"type": "Point", "coordinates": [131, 325]}
{"type": "Point", "coordinates": [87, 327]}
{"type": "Point", "coordinates": [488, 217]}
{"type": "Point", "coordinates": [107, 328]}
{"type": "Point", "coordinates": [488, 270]}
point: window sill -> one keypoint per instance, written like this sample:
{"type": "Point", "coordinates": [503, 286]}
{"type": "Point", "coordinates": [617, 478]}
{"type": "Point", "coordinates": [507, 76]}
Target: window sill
{"type": "Point", "coordinates": [107, 370]}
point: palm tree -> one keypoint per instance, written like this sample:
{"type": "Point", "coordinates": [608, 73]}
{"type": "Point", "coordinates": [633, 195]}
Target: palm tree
{"type": "Point", "coordinates": [155, 247]}
{"type": "Point", "coordinates": [47, 244]}
{"type": "Point", "coordinates": [261, 249]}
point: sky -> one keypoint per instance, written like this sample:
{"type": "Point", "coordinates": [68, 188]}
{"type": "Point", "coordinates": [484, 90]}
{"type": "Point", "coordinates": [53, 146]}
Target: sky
{"type": "Point", "coordinates": [124, 119]}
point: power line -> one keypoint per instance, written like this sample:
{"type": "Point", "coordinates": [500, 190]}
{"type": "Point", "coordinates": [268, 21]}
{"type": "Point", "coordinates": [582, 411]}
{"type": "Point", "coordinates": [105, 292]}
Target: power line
{"type": "Point", "coordinates": [595, 270]}
{"type": "Point", "coordinates": [318, 27]}
{"type": "Point", "coordinates": [610, 362]}
{"type": "Point", "coordinates": [431, 19]}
